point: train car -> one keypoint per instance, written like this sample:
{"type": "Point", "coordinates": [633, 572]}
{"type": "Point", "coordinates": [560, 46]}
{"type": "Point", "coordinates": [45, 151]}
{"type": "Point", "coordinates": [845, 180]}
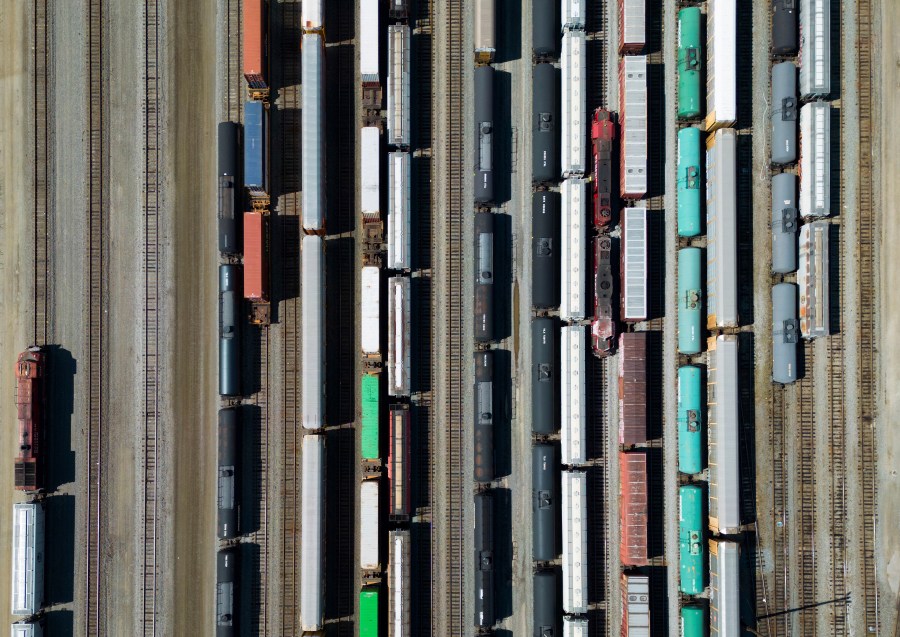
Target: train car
{"type": "Point", "coordinates": [784, 27]}
{"type": "Point", "coordinates": [228, 484]}
{"type": "Point", "coordinates": [484, 131]}
{"type": "Point", "coordinates": [689, 182]}
{"type": "Point", "coordinates": [256, 142]}
{"type": "Point", "coordinates": [27, 559]}
{"type": "Point", "coordinates": [721, 65]}
{"type": "Point", "coordinates": [256, 266]}
{"type": "Point", "coordinates": [690, 301]}
{"type": "Point", "coordinates": [785, 333]}
{"type": "Point", "coordinates": [398, 9]}
{"type": "Point", "coordinates": [369, 31]}
{"type": "Point", "coordinates": [784, 113]}
{"type": "Point", "coordinates": [722, 414]}
{"type": "Point", "coordinates": [369, 170]}
{"type": "Point", "coordinates": [632, 21]}
{"type": "Point", "coordinates": [544, 31]}
{"type": "Point", "coordinates": [228, 188]}
{"type": "Point", "coordinates": [484, 277]}
{"type": "Point", "coordinates": [815, 48]}
{"type": "Point", "coordinates": [228, 592]}
{"type": "Point", "coordinates": [545, 252]}
{"type": "Point", "coordinates": [721, 230]}
{"type": "Point", "coordinates": [725, 593]}
{"type": "Point", "coordinates": [399, 345]}
{"type": "Point", "coordinates": [370, 314]}
{"type": "Point", "coordinates": [399, 577]}
{"type": "Point", "coordinates": [633, 508]}
{"type": "Point", "coordinates": [603, 325]}
{"type": "Point", "coordinates": [693, 621]}
{"type": "Point", "coordinates": [574, 103]}
{"type": "Point", "coordinates": [690, 65]}
{"type": "Point", "coordinates": [690, 420]}
{"type": "Point", "coordinates": [632, 388]}
{"type": "Point", "coordinates": [546, 117]}
{"type": "Point", "coordinates": [369, 527]}
{"type": "Point", "coordinates": [312, 520]}
{"type": "Point", "coordinates": [545, 376]}
{"type": "Point", "coordinates": [485, 36]}
{"type": "Point", "coordinates": [633, 124]}
{"type": "Point", "coordinates": [691, 545]}
{"type": "Point", "coordinates": [634, 265]}
{"type": "Point", "coordinates": [546, 615]}
{"type": "Point", "coordinates": [574, 533]}
{"type": "Point", "coordinates": [815, 160]}
{"type": "Point", "coordinates": [230, 330]}
{"type": "Point", "coordinates": [311, 16]}
{"type": "Point", "coordinates": [370, 448]}
{"type": "Point", "coordinates": [312, 129]}
{"type": "Point", "coordinates": [26, 629]}
{"type": "Point", "coordinates": [575, 627]}
{"type": "Point", "coordinates": [368, 611]}
{"type": "Point", "coordinates": [312, 332]}
{"type": "Point", "coordinates": [574, 244]}
{"type": "Point", "coordinates": [635, 605]}
{"type": "Point", "coordinates": [398, 85]}
{"type": "Point", "coordinates": [484, 559]}
{"type": "Point", "coordinates": [31, 398]}
{"type": "Point", "coordinates": [573, 398]}
{"type": "Point", "coordinates": [545, 502]}
{"type": "Point", "coordinates": [398, 469]}
{"type": "Point", "coordinates": [603, 138]}
{"type": "Point", "coordinates": [784, 223]}
{"type": "Point", "coordinates": [573, 15]}
{"type": "Point", "coordinates": [254, 49]}
{"type": "Point", "coordinates": [812, 280]}
{"type": "Point", "coordinates": [484, 416]}
{"type": "Point", "coordinates": [399, 212]}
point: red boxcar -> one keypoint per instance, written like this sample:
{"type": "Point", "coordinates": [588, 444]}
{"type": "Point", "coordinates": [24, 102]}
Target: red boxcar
{"type": "Point", "coordinates": [603, 326]}
{"type": "Point", "coordinates": [633, 388]}
{"type": "Point", "coordinates": [30, 374]}
{"type": "Point", "coordinates": [398, 463]}
{"type": "Point", "coordinates": [254, 49]}
{"type": "Point", "coordinates": [256, 266]}
{"type": "Point", "coordinates": [603, 135]}
{"type": "Point", "coordinates": [633, 507]}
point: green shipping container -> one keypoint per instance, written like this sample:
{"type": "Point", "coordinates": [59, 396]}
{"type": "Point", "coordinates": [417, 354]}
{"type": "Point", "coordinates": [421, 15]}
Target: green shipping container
{"type": "Point", "coordinates": [368, 612]}
{"type": "Point", "coordinates": [370, 417]}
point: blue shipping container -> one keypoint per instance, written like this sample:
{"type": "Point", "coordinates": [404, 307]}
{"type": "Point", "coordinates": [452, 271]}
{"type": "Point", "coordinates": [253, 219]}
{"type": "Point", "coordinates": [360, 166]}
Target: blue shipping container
{"type": "Point", "coordinates": [254, 145]}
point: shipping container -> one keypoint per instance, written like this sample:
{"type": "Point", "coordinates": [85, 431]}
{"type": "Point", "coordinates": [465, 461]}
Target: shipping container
{"type": "Point", "coordinates": [254, 50]}
{"type": "Point", "coordinates": [399, 212]}
{"type": "Point", "coordinates": [228, 592]}
{"type": "Point", "coordinates": [725, 594]}
{"type": "Point", "coordinates": [693, 621]}
{"type": "Point", "coordinates": [483, 315]}
{"type": "Point", "coordinates": [312, 523]}
{"type": "Point", "coordinates": [256, 266]}
{"type": "Point", "coordinates": [229, 330]}
{"type": "Point", "coordinates": [603, 136]}
{"type": "Point", "coordinates": [690, 65]}
{"type": "Point", "coordinates": [634, 264]}
{"type": "Point", "coordinates": [815, 48]}
{"type": "Point", "coordinates": [229, 192]}
{"type": "Point", "coordinates": [722, 412]}
{"type": "Point", "coordinates": [721, 230]}
{"type": "Point", "coordinates": [547, 613]}
{"type": "Point", "coordinates": [603, 325]}
{"type": "Point", "coordinates": [544, 28]}
{"type": "Point", "coordinates": [812, 279]}
{"type": "Point", "coordinates": [369, 526]}
{"type": "Point", "coordinates": [369, 398]}
{"type": "Point", "coordinates": [575, 627]}
{"type": "Point", "coordinates": [545, 501]}
{"type": "Point", "coordinates": [690, 301]}
{"type": "Point", "coordinates": [635, 605]}
{"type": "Point", "coordinates": [545, 376]}
{"type": "Point", "coordinates": [31, 397]}
{"type": "Point", "coordinates": [370, 175]}
{"type": "Point", "coordinates": [573, 14]}
{"type": "Point", "coordinates": [398, 463]}
{"type": "Point", "coordinates": [784, 113]}
{"type": "Point", "coordinates": [485, 37]}
{"type": "Point", "coordinates": [24, 629]}
{"type": "Point", "coordinates": [632, 22]}
{"type": "Point", "coordinates": [399, 349]}
{"type": "Point", "coordinates": [312, 127]}
{"type": "Point", "coordinates": [228, 480]}
{"type": "Point", "coordinates": [633, 122]}
{"type": "Point", "coordinates": [369, 30]}
{"type": "Point", "coordinates": [690, 420]}
{"type": "Point", "coordinates": [311, 16]}
{"type": "Point", "coordinates": [27, 558]}
{"type": "Point", "coordinates": [574, 377]}
{"type": "Point", "coordinates": [312, 333]}
{"type": "Point", "coordinates": [574, 103]}
{"type": "Point", "coordinates": [545, 254]}
{"type": "Point", "coordinates": [484, 559]}
{"type": "Point", "coordinates": [399, 575]}
{"type": "Point", "coordinates": [785, 333]}
{"type": "Point", "coordinates": [574, 532]}
{"type": "Point", "coordinates": [484, 417]}
{"type": "Point", "coordinates": [721, 65]}
{"type": "Point", "coordinates": [398, 84]}
{"type": "Point", "coordinates": [256, 136]}
{"type": "Point", "coordinates": [689, 182]}
{"type": "Point", "coordinates": [784, 27]}
{"type": "Point", "coordinates": [545, 141]}
{"type": "Point", "coordinates": [815, 160]}
{"type": "Point", "coordinates": [484, 131]}
{"type": "Point", "coordinates": [691, 544]}
{"type": "Point", "coordinates": [574, 250]}
{"type": "Point", "coordinates": [784, 223]}
{"type": "Point", "coordinates": [368, 611]}
{"type": "Point", "coordinates": [632, 388]}
{"type": "Point", "coordinates": [633, 507]}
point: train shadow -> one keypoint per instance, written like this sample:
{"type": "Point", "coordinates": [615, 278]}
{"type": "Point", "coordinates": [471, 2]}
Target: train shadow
{"type": "Point", "coordinates": [341, 125]}
{"type": "Point", "coordinates": [656, 509]}
{"type": "Point", "coordinates": [654, 363]}
{"type": "Point", "coordinates": [503, 401]}
{"type": "Point", "coordinates": [659, 600]}
{"type": "Point", "coordinates": [420, 452]}
{"type": "Point", "coordinates": [251, 485]}
{"type": "Point", "coordinates": [286, 253]}
{"type": "Point", "coordinates": [340, 509]}
{"type": "Point", "coordinates": [249, 605]}
{"type": "Point", "coordinates": [59, 623]}
{"type": "Point", "coordinates": [59, 554]}
{"type": "Point", "coordinates": [656, 129]}
{"type": "Point", "coordinates": [420, 89]}
{"type": "Point", "coordinates": [421, 577]}
{"type": "Point", "coordinates": [503, 276]}
{"type": "Point", "coordinates": [60, 465]}
{"type": "Point", "coordinates": [654, 28]}
{"type": "Point", "coordinates": [744, 229]}
{"type": "Point", "coordinates": [284, 151]}
{"type": "Point", "coordinates": [420, 223]}
{"type": "Point", "coordinates": [752, 563]}
{"type": "Point", "coordinates": [596, 403]}
{"type": "Point", "coordinates": [251, 354]}
{"type": "Point", "coordinates": [657, 269]}
{"type": "Point", "coordinates": [503, 553]}
{"type": "Point", "coordinates": [746, 425]}
{"type": "Point", "coordinates": [509, 34]}
{"type": "Point", "coordinates": [744, 67]}
{"type": "Point", "coordinates": [597, 541]}
{"type": "Point", "coordinates": [285, 37]}
{"type": "Point", "coordinates": [420, 334]}
{"type": "Point", "coordinates": [503, 162]}
{"type": "Point", "coordinates": [837, 32]}
{"type": "Point", "coordinates": [341, 271]}
{"type": "Point", "coordinates": [834, 278]}
{"type": "Point", "coordinates": [340, 16]}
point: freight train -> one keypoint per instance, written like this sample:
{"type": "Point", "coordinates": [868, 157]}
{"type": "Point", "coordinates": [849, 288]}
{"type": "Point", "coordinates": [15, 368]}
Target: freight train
{"type": "Point", "coordinates": [690, 301]}
{"type": "Point", "coordinates": [574, 104]}
{"type": "Point", "coordinates": [27, 563]}
{"type": "Point", "coordinates": [484, 277]}
{"type": "Point", "coordinates": [31, 402]}
{"type": "Point", "coordinates": [815, 48]}
{"type": "Point", "coordinates": [255, 19]}
{"type": "Point", "coordinates": [633, 175]}
{"type": "Point", "coordinates": [633, 508]}
{"type": "Point", "coordinates": [785, 333]}
{"type": "Point", "coordinates": [229, 187]}
{"type": "Point", "coordinates": [484, 560]}
{"type": "Point", "coordinates": [634, 267]}
{"type": "Point", "coordinates": [575, 535]}
{"type": "Point", "coordinates": [485, 32]}
{"type": "Point", "coordinates": [784, 113]}
{"type": "Point", "coordinates": [574, 253]}
{"type": "Point", "coordinates": [603, 136]}
{"type": "Point", "coordinates": [312, 126]}
{"type": "Point", "coordinates": [721, 225]}
{"type": "Point", "coordinates": [721, 72]}
{"type": "Point", "coordinates": [484, 416]}
{"type": "Point", "coordinates": [784, 27]}
{"type": "Point", "coordinates": [689, 182]}
{"type": "Point", "coordinates": [691, 544]}
{"type": "Point", "coordinates": [399, 339]}
{"type": "Point", "coordinates": [545, 501]}
{"type": "Point", "coordinates": [573, 411]}
{"type": "Point", "coordinates": [690, 420]}
{"type": "Point", "coordinates": [484, 133]}
{"type": "Point", "coordinates": [545, 376]}
{"type": "Point", "coordinates": [547, 613]}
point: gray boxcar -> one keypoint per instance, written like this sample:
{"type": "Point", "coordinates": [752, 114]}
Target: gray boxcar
{"type": "Point", "coordinates": [785, 221]}
{"type": "Point", "coordinates": [545, 28]}
{"type": "Point", "coordinates": [312, 143]}
{"type": "Point", "coordinates": [398, 85]}
{"type": "Point", "coordinates": [815, 48]}
{"type": "Point", "coordinates": [545, 376]}
{"type": "Point", "coordinates": [228, 592]}
{"type": "Point", "coordinates": [399, 211]}
{"type": "Point", "coordinates": [722, 426]}
{"type": "Point", "coordinates": [785, 333]}
{"type": "Point", "coordinates": [545, 501]}
{"type": "Point", "coordinates": [545, 253]}
{"type": "Point", "coordinates": [547, 613]}
{"type": "Point", "coordinates": [229, 480]}
{"type": "Point", "coordinates": [484, 559]}
{"type": "Point", "coordinates": [484, 134]}
{"type": "Point", "coordinates": [484, 277]}
{"type": "Point", "coordinates": [230, 330]}
{"type": "Point", "coordinates": [784, 113]}
{"type": "Point", "coordinates": [229, 188]}
{"type": "Point", "coordinates": [546, 118]}
{"type": "Point", "coordinates": [721, 229]}
{"type": "Point", "coordinates": [484, 417]}
{"type": "Point", "coordinates": [725, 588]}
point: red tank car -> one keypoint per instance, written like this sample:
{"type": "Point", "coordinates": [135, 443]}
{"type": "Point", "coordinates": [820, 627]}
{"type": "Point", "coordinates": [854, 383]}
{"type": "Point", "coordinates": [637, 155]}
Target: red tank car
{"type": "Point", "coordinates": [30, 374]}
{"type": "Point", "coordinates": [603, 325]}
{"type": "Point", "coordinates": [603, 136]}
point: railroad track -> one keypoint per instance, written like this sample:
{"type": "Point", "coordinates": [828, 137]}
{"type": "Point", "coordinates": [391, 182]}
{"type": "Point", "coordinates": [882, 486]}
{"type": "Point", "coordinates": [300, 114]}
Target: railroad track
{"type": "Point", "coordinates": [806, 496]}
{"type": "Point", "coordinates": [260, 537]}
{"type": "Point", "coordinates": [41, 176]}
{"type": "Point", "coordinates": [778, 597]}
{"type": "Point", "coordinates": [234, 73]}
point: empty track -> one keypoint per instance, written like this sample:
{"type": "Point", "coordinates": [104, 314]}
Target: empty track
{"type": "Point", "coordinates": [41, 174]}
{"type": "Point", "coordinates": [805, 499]}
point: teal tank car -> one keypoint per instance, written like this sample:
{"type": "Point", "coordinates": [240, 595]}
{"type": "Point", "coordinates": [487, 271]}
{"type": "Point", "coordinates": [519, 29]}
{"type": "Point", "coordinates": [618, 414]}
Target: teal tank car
{"type": "Point", "coordinates": [689, 182]}
{"type": "Point", "coordinates": [690, 64]}
{"type": "Point", "coordinates": [690, 420]}
{"type": "Point", "coordinates": [692, 548]}
{"type": "Point", "coordinates": [690, 301]}
{"type": "Point", "coordinates": [693, 621]}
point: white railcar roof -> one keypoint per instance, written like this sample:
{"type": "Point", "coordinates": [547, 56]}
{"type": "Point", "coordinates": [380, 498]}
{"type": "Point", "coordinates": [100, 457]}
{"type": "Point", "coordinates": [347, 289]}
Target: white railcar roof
{"type": "Point", "coordinates": [312, 143]}
{"type": "Point", "coordinates": [575, 627]}
{"type": "Point", "coordinates": [574, 104]}
{"type": "Point", "coordinates": [634, 18]}
{"type": "Point", "coordinates": [368, 525]}
{"type": "Point", "coordinates": [311, 15]}
{"type": "Point", "coordinates": [399, 585]}
{"type": "Point", "coordinates": [370, 310]}
{"type": "Point", "coordinates": [574, 244]}
{"type": "Point", "coordinates": [725, 600]}
{"type": "Point", "coordinates": [574, 558]}
{"type": "Point", "coordinates": [721, 75]}
{"type": "Point", "coordinates": [721, 230]}
{"type": "Point", "coordinates": [312, 260]}
{"type": "Point", "coordinates": [399, 211]}
{"type": "Point", "coordinates": [313, 525]}
{"type": "Point", "coordinates": [573, 14]}
{"type": "Point", "coordinates": [27, 558]}
{"type": "Point", "coordinates": [635, 257]}
{"type": "Point", "coordinates": [637, 604]}
{"type": "Point", "coordinates": [815, 159]}
{"type": "Point", "coordinates": [722, 399]}
{"type": "Point", "coordinates": [398, 336]}
{"type": "Point", "coordinates": [368, 39]}
{"type": "Point", "coordinates": [573, 394]}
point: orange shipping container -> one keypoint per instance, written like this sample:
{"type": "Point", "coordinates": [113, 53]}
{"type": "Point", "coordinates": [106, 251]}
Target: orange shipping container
{"type": "Point", "coordinates": [254, 37]}
{"type": "Point", "coordinates": [256, 280]}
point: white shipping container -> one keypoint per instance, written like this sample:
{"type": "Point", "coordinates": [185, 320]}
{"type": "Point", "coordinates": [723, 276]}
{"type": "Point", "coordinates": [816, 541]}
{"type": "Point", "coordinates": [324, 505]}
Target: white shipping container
{"type": "Point", "coordinates": [27, 558]}
{"type": "Point", "coordinates": [398, 85]}
{"type": "Point", "coordinates": [633, 107]}
{"type": "Point", "coordinates": [815, 160]}
{"type": "Point", "coordinates": [721, 65]}
{"type": "Point", "coordinates": [311, 15]}
{"type": "Point", "coordinates": [721, 229]}
{"type": "Point", "coordinates": [398, 336]}
{"type": "Point", "coordinates": [574, 104]}
{"type": "Point", "coordinates": [368, 526]}
{"type": "Point", "coordinates": [815, 48]}
{"type": "Point", "coordinates": [368, 40]}
{"type": "Point", "coordinates": [371, 311]}
{"type": "Point", "coordinates": [573, 394]}
{"type": "Point", "coordinates": [312, 130]}
{"type": "Point", "coordinates": [725, 589]}
{"type": "Point", "coordinates": [574, 257]}
{"type": "Point", "coordinates": [312, 522]}
{"type": "Point", "coordinates": [573, 14]}
{"type": "Point", "coordinates": [574, 529]}
{"type": "Point", "coordinates": [370, 172]}
{"type": "Point", "coordinates": [722, 413]}
{"type": "Point", "coordinates": [812, 279]}
{"type": "Point", "coordinates": [399, 211]}
{"type": "Point", "coordinates": [575, 627]}
{"type": "Point", "coordinates": [634, 275]}
{"type": "Point", "coordinates": [312, 319]}
{"type": "Point", "coordinates": [398, 585]}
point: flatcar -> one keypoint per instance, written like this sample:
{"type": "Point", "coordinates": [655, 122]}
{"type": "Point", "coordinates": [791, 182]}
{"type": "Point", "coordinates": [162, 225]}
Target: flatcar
{"type": "Point", "coordinates": [484, 416]}
{"type": "Point", "coordinates": [229, 478]}
{"type": "Point", "coordinates": [545, 232]}
{"type": "Point", "coordinates": [815, 160]}
{"type": "Point", "coordinates": [785, 333]}
{"type": "Point", "coordinates": [27, 560]}
{"type": "Point", "coordinates": [784, 113]}
{"type": "Point", "coordinates": [689, 182]}
{"type": "Point", "coordinates": [230, 330]}
{"type": "Point", "coordinates": [574, 105]}
{"type": "Point", "coordinates": [690, 420]}
{"type": "Point", "coordinates": [369, 400]}
{"type": "Point", "coordinates": [784, 27]}
{"type": "Point", "coordinates": [603, 324]}
{"type": "Point", "coordinates": [485, 31]}
{"type": "Point", "coordinates": [398, 466]}
{"type": "Point", "coordinates": [633, 508]}
{"type": "Point", "coordinates": [722, 408]}
{"type": "Point", "coordinates": [228, 592]}
{"type": "Point", "coordinates": [544, 376]}
{"type": "Point", "coordinates": [690, 301]}
{"type": "Point", "coordinates": [573, 413]}
{"type": "Point", "coordinates": [545, 501]}
{"type": "Point", "coordinates": [399, 346]}
{"type": "Point", "coordinates": [721, 68]}
{"type": "Point", "coordinates": [691, 544]}
{"type": "Point", "coordinates": [398, 84]}
{"type": "Point", "coordinates": [785, 223]}
{"type": "Point", "coordinates": [721, 229]}
{"type": "Point", "coordinates": [312, 520]}
{"type": "Point", "coordinates": [256, 142]}
{"type": "Point", "coordinates": [312, 130]}
{"type": "Point", "coordinates": [484, 277]}
{"type": "Point", "coordinates": [815, 48]}
{"type": "Point", "coordinates": [812, 280]}
{"type": "Point", "coordinates": [312, 321]}
{"type": "Point", "coordinates": [368, 611]}
{"type": "Point", "coordinates": [574, 248]}
{"type": "Point", "coordinates": [690, 65]}
{"type": "Point", "coordinates": [228, 188]}
{"type": "Point", "coordinates": [545, 28]}
{"type": "Point", "coordinates": [546, 113]}
{"type": "Point", "coordinates": [603, 139]}
{"type": "Point", "coordinates": [633, 123]}
{"type": "Point", "coordinates": [725, 588]}
{"type": "Point", "coordinates": [484, 559]}
{"type": "Point", "coordinates": [254, 50]}
{"type": "Point", "coordinates": [547, 613]}
{"type": "Point", "coordinates": [484, 133]}
{"type": "Point", "coordinates": [31, 399]}
{"type": "Point", "coordinates": [693, 621]}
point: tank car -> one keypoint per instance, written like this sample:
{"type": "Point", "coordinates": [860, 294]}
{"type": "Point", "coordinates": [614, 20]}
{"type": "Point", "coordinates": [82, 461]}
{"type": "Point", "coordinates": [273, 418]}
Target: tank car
{"type": "Point", "coordinates": [691, 544]}
{"type": "Point", "coordinates": [229, 188]}
{"type": "Point", "coordinates": [547, 611]}
{"type": "Point", "coordinates": [690, 65]}
{"type": "Point", "coordinates": [229, 478]}
{"type": "Point", "coordinates": [690, 420]}
{"type": "Point", "coordinates": [484, 277]}
{"type": "Point", "coordinates": [544, 376]}
{"type": "Point", "coordinates": [484, 559]}
{"type": "Point", "coordinates": [545, 164]}
{"type": "Point", "coordinates": [484, 416]}
{"type": "Point", "coordinates": [784, 113]}
{"type": "Point", "coordinates": [484, 134]}
{"type": "Point", "coordinates": [689, 182]}
{"type": "Point", "coordinates": [690, 301]}
{"type": "Point", "coordinates": [229, 330]}
{"type": "Point", "coordinates": [545, 231]}
{"type": "Point", "coordinates": [784, 27]}
{"type": "Point", "coordinates": [545, 501]}
{"type": "Point", "coordinates": [545, 28]}
{"type": "Point", "coordinates": [784, 223]}
{"type": "Point", "coordinates": [228, 592]}
{"type": "Point", "coordinates": [603, 137]}
{"type": "Point", "coordinates": [785, 333]}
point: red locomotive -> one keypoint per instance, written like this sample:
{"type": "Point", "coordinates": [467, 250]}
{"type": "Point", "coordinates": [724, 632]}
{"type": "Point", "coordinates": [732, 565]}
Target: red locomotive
{"type": "Point", "coordinates": [30, 375]}
{"type": "Point", "coordinates": [603, 136]}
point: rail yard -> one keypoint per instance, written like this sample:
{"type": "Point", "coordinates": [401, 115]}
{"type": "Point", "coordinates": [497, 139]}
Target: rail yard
{"type": "Point", "coordinates": [449, 317]}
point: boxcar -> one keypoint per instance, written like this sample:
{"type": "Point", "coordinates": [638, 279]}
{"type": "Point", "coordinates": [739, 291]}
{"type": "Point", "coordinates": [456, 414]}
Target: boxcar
{"type": "Point", "coordinates": [27, 560]}
{"type": "Point", "coordinates": [603, 137]}
{"type": "Point", "coordinates": [228, 592]}
{"type": "Point", "coordinates": [689, 182]}
{"type": "Point", "coordinates": [632, 21]}
{"type": "Point", "coordinates": [545, 134]}
{"type": "Point", "coordinates": [484, 417]}
{"type": "Point", "coordinates": [784, 113]}
{"type": "Point", "coordinates": [633, 122]}
{"type": "Point", "coordinates": [574, 533]}
{"type": "Point", "coordinates": [690, 420]}
{"type": "Point", "coordinates": [573, 14]}
{"type": "Point", "coordinates": [691, 545]}
{"type": "Point", "coordinates": [721, 231]}
{"type": "Point", "coordinates": [545, 501]}
{"type": "Point", "coordinates": [690, 301]}
{"type": "Point", "coordinates": [312, 519]}
{"type": "Point", "coordinates": [725, 594]}
{"type": "Point", "coordinates": [484, 277]}
{"type": "Point", "coordinates": [574, 243]}
{"type": "Point", "coordinates": [399, 347]}
{"type": "Point", "coordinates": [545, 241]}
{"type": "Point", "coordinates": [312, 129]}
{"type": "Point", "coordinates": [693, 621]}
{"type": "Point", "coordinates": [31, 400]}
{"type": "Point", "coordinates": [632, 388]}
{"type": "Point", "coordinates": [634, 264]}
{"type": "Point", "coordinates": [399, 211]}
{"type": "Point", "coordinates": [368, 611]}
{"type": "Point", "coordinates": [399, 577]}
{"type": "Point", "coordinates": [370, 312]}
{"type": "Point", "coordinates": [228, 188]}
{"type": "Point", "coordinates": [544, 28]}
{"type": "Point", "coordinates": [784, 223]}
{"type": "Point", "coordinates": [573, 415]}
{"type": "Point", "coordinates": [546, 603]}
{"type": "Point", "coordinates": [574, 103]}
{"type": "Point", "coordinates": [369, 399]}
{"type": "Point", "coordinates": [228, 486]}
{"type": "Point", "coordinates": [230, 330]}
{"type": "Point", "coordinates": [690, 54]}
{"type": "Point", "coordinates": [815, 160]}
{"type": "Point", "coordinates": [815, 48]}
{"type": "Point", "coordinates": [255, 150]}
{"type": "Point", "coordinates": [398, 469]}
{"type": "Point", "coordinates": [721, 66]}
{"type": "Point", "coordinates": [256, 266]}
{"type": "Point", "coordinates": [633, 507]}
{"type": "Point", "coordinates": [369, 526]}
{"type": "Point", "coordinates": [484, 132]}
{"type": "Point", "coordinates": [254, 50]}
{"type": "Point", "coordinates": [784, 27]}
{"type": "Point", "coordinates": [484, 559]}
{"type": "Point", "coordinates": [398, 84]}
{"type": "Point", "coordinates": [722, 414]}
{"type": "Point", "coordinates": [369, 33]}
{"type": "Point", "coordinates": [635, 605]}
{"type": "Point", "coordinates": [370, 172]}
{"type": "Point", "coordinates": [485, 31]}
{"type": "Point", "coordinates": [311, 16]}
{"type": "Point", "coordinates": [812, 279]}
{"type": "Point", "coordinates": [785, 333]}
{"type": "Point", "coordinates": [312, 332]}
{"type": "Point", "coordinates": [545, 376]}
{"type": "Point", "coordinates": [575, 627]}
{"type": "Point", "coordinates": [603, 325]}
